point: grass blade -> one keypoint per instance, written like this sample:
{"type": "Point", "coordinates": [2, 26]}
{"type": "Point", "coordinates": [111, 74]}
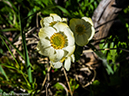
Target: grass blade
{"type": "Point", "coordinates": [9, 29]}
{"type": "Point", "coordinates": [13, 46]}
{"type": "Point", "coordinates": [25, 50]}
{"type": "Point", "coordinates": [11, 67]}
{"type": "Point", "coordinates": [3, 72]}
{"type": "Point", "coordinates": [10, 51]}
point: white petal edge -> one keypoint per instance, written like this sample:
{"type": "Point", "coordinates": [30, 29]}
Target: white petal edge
{"type": "Point", "coordinates": [48, 51]}
{"type": "Point", "coordinates": [56, 64]}
{"type": "Point", "coordinates": [88, 20]}
{"type": "Point", "coordinates": [64, 20]}
{"type": "Point", "coordinates": [45, 43]}
{"type": "Point", "coordinates": [70, 50]}
{"type": "Point", "coordinates": [57, 56]}
{"type": "Point", "coordinates": [67, 63]}
{"type": "Point", "coordinates": [46, 32]}
{"type": "Point", "coordinates": [46, 21]}
{"type": "Point", "coordinates": [60, 26]}
{"type": "Point", "coordinates": [70, 36]}
{"type": "Point", "coordinates": [92, 34]}
{"type": "Point", "coordinates": [55, 17]}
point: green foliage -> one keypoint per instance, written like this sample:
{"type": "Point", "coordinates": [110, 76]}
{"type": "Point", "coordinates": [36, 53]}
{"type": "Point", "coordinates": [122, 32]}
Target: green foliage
{"type": "Point", "coordinates": [74, 85]}
{"type": "Point", "coordinates": [61, 88]}
{"type": "Point", "coordinates": [111, 54]}
{"type": "Point", "coordinates": [85, 7]}
{"type": "Point", "coordinates": [126, 10]}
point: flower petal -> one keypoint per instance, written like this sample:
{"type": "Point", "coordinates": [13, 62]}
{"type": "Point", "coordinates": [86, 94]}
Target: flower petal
{"type": "Point", "coordinates": [55, 17]}
{"type": "Point", "coordinates": [81, 40]}
{"type": "Point", "coordinates": [70, 36]}
{"type": "Point", "coordinates": [73, 23]}
{"type": "Point", "coordinates": [39, 47]}
{"type": "Point", "coordinates": [46, 21]}
{"type": "Point", "coordinates": [87, 25]}
{"type": "Point", "coordinates": [44, 43]}
{"type": "Point", "coordinates": [60, 26]}
{"type": "Point", "coordinates": [88, 32]}
{"type": "Point", "coordinates": [45, 35]}
{"type": "Point", "coordinates": [44, 50]}
{"type": "Point", "coordinates": [57, 56]}
{"type": "Point", "coordinates": [64, 20]}
{"type": "Point", "coordinates": [48, 51]}
{"type": "Point", "coordinates": [88, 20]}
{"type": "Point", "coordinates": [56, 64]}
{"type": "Point", "coordinates": [67, 63]}
{"type": "Point", "coordinates": [46, 32]}
{"type": "Point", "coordinates": [70, 50]}
{"type": "Point", "coordinates": [92, 33]}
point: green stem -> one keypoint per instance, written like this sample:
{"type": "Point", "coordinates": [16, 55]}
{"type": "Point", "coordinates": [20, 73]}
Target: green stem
{"type": "Point", "coordinates": [26, 52]}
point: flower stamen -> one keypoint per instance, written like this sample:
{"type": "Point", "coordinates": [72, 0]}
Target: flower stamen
{"type": "Point", "coordinates": [52, 23]}
{"type": "Point", "coordinates": [58, 41]}
{"type": "Point", "coordinates": [80, 29]}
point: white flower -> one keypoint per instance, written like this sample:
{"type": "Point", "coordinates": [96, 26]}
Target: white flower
{"type": "Point", "coordinates": [58, 43]}
{"type": "Point", "coordinates": [51, 20]}
{"type": "Point", "coordinates": [83, 30]}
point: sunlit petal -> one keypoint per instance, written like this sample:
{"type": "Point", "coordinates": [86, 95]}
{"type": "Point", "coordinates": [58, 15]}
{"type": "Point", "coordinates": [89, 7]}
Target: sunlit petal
{"type": "Point", "coordinates": [46, 32]}
{"type": "Point", "coordinates": [70, 36]}
{"type": "Point", "coordinates": [67, 63]}
{"type": "Point", "coordinates": [60, 26]}
{"type": "Point", "coordinates": [55, 17]}
{"type": "Point", "coordinates": [46, 21]}
{"type": "Point", "coordinates": [88, 20]}
{"type": "Point", "coordinates": [92, 34]}
{"type": "Point", "coordinates": [57, 56]}
{"type": "Point", "coordinates": [56, 64]}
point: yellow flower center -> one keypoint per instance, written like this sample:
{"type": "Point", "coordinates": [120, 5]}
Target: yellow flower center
{"type": "Point", "coordinates": [58, 40]}
{"type": "Point", "coordinates": [80, 29]}
{"type": "Point", "coordinates": [52, 23]}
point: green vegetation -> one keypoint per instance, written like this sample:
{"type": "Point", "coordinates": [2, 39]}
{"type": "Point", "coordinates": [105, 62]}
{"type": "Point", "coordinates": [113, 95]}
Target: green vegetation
{"type": "Point", "coordinates": [23, 69]}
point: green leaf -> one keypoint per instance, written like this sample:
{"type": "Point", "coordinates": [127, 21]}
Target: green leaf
{"type": "Point", "coordinates": [3, 72]}
{"type": "Point", "coordinates": [96, 82]}
{"type": "Point", "coordinates": [64, 10]}
{"type": "Point", "coordinates": [58, 86]}
{"type": "Point", "coordinates": [1, 91]}
{"type": "Point", "coordinates": [8, 66]}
